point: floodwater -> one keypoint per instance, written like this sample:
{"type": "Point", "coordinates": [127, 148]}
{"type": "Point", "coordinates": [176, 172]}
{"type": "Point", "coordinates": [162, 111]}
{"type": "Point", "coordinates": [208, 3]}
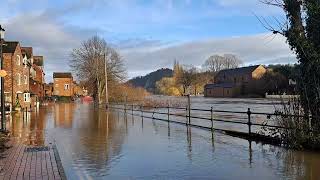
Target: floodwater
{"type": "Point", "coordinates": [95, 144]}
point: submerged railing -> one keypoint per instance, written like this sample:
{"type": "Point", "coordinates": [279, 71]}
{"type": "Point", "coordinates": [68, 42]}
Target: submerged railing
{"type": "Point", "coordinates": [169, 111]}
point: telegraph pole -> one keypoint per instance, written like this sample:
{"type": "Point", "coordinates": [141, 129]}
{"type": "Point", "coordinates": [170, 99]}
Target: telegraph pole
{"type": "Point", "coordinates": [3, 73]}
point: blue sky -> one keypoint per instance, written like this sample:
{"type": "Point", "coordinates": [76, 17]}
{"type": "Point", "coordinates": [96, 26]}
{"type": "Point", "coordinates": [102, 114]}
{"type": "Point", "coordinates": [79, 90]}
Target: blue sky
{"type": "Point", "coordinates": [148, 33]}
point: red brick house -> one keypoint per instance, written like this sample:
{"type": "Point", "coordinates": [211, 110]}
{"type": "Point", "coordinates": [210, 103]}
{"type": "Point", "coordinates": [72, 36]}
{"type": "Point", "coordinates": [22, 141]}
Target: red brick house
{"type": "Point", "coordinates": [37, 78]}
{"type": "Point", "coordinates": [63, 84]}
{"type": "Point", "coordinates": [17, 81]}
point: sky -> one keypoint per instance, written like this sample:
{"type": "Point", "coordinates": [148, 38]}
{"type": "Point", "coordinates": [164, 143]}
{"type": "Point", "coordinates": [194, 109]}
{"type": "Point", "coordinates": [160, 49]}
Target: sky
{"type": "Point", "coordinates": [149, 34]}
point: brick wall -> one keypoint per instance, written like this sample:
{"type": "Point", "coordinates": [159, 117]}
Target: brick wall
{"type": "Point", "coordinates": [59, 87]}
{"type": "Point", "coordinates": [17, 80]}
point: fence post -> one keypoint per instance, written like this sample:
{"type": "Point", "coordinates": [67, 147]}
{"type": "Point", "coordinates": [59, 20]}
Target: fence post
{"type": "Point", "coordinates": [249, 120]}
{"type": "Point", "coordinates": [132, 109]}
{"type": "Point", "coordinates": [141, 111]}
{"type": "Point", "coordinates": [168, 113]}
{"type": "Point", "coordinates": [211, 118]}
{"type": "Point", "coordinates": [186, 115]}
{"type": "Point", "coordinates": [189, 108]}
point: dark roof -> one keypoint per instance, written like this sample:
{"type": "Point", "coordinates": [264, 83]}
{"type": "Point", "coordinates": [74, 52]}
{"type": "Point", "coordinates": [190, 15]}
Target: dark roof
{"type": "Point", "coordinates": [62, 75]}
{"type": "Point", "coordinates": [10, 46]}
{"type": "Point", "coordinates": [238, 71]}
{"type": "Point", "coordinates": [27, 51]}
{"type": "Point", "coordinates": [225, 85]}
{"type": "Point", "coordinates": [38, 60]}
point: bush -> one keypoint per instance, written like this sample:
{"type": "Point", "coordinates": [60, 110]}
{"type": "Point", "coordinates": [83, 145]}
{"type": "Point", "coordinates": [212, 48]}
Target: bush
{"type": "Point", "coordinates": [298, 132]}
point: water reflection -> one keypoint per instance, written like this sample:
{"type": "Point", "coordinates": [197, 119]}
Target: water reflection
{"type": "Point", "coordinates": [94, 143]}
{"type": "Point", "coordinates": [28, 127]}
{"type": "Point", "coordinates": [63, 114]}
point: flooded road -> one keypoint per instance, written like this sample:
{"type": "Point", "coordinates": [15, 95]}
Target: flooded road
{"type": "Point", "coordinates": [95, 144]}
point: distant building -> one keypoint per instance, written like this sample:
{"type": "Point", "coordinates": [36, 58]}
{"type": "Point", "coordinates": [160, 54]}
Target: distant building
{"type": "Point", "coordinates": [78, 90]}
{"type": "Point", "coordinates": [16, 85]}
{"type": "Point", "coordinates": [48, 90]}
{"type": "Point", "coordinates": [63, 84]}
{"type": "Point", "coordinates": [231, 82]}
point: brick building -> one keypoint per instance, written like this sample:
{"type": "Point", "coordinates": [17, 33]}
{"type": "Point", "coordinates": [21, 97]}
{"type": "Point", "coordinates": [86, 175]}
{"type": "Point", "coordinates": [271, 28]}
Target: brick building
{"type": "Point", "coordinates": [37, 78]}
{"type": "Point", "coordinates": [232, 82]}
{"type": "Point", "coordinates": [48, 90]}
{"type": "Point", "coordinates": [17, 81]}
{"type": "Point", "coordinates": [63, 84]}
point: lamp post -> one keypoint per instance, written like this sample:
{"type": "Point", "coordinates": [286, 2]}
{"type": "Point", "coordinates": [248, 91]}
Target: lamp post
{"type": "Point", "coordinates": [3, 112]}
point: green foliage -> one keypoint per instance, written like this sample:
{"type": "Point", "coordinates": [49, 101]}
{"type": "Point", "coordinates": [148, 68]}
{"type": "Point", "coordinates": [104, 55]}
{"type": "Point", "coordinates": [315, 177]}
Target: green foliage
{"type": "Point", "coordinates": [303, 37]}
{"type": "Point", "coordinates": [288, 70]}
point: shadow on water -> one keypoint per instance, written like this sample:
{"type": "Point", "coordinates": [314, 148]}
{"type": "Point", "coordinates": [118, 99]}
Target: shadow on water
{"type": "Point", "coordinates": [94, 143]}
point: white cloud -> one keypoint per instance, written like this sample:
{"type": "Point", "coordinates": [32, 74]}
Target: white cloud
{"type": "Point", "coordinates": [48, 37]}
{"type": "Point", "coordinates": [254, 49]}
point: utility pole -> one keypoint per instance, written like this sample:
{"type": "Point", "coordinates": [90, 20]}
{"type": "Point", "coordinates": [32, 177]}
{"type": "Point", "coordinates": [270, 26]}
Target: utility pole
{"type": "Point", "coordinates": [106, 78]}
{"type": "Point", "coordinates": [3, 110]}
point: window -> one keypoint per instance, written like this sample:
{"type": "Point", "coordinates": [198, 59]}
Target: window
{"type": "Point", "coordinates": [25, 61]}
{"type": "Point", "coordinates": [19, 79]}
{"type": "Point", "coordinates": [66, 86]}
{"type": "Point", "coordinates": [25, 79]}
{"type": "Point", "coordinates": [7, 98]}
{"type": "Point", "coordinates": [18, 60]}
{"type": "Point", "coordinates": [26, 97]}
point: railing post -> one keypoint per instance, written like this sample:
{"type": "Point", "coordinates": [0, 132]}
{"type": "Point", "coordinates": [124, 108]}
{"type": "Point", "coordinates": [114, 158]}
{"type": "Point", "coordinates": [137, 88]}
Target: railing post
{"type": "Point", "coordinates": [249, 120]}
{"type": "Point", "coordinates": [211, 118]}
{"type": "Point", "coordinates": [141, 111]}
{"type": "Point", "coordinates": [154, 109]}
{"type": "Point", "coordinates": [189, 109]}
{"type": "Point", "coordinates": [186, 115]}
{"type": "Point", "coordinates": [132, 109]}
{"type": "Point", "coordinates": [168, 113]}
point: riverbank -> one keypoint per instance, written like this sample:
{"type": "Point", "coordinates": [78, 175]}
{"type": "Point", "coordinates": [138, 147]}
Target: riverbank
{"type": "Point", "coordinates": [21, 161]}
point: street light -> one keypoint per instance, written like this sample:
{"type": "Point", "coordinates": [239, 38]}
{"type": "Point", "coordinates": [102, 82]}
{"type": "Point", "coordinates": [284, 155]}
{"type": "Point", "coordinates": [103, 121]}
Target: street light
{"type": "Point", "coordinates": [3, 112]}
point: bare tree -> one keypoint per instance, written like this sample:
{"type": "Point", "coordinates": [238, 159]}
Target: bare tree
{"type": "Point", "coordinates": [231, 61]}
{"type": "Point", "coordinates": [186, 78]}
{"type": "Point", "coordinates": [217, 63]}
{"type": "Point", "coordinates": [88, 62]}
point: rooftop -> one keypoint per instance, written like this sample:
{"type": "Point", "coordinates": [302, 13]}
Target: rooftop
{"type": "Point", "coordinates": [238, 71]}
{"type": "Point", "coordinates": [62, 75]}
{"type": "Point", "coordinates": [10, 46]}
{"type": "Point", "coordinates": [27, 51]}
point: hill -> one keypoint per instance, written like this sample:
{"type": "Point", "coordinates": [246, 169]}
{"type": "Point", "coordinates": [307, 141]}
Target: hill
{"type": "Point", "coordinates": [149, 81]}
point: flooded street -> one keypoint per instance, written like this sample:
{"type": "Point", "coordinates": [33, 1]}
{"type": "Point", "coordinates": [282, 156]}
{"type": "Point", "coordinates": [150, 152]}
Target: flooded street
{"type": "Point", "coordinates": [95, 144]}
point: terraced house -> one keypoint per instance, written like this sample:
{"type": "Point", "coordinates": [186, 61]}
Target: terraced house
{"type": "Point", "coordinates": [63, 84]}
{"type": "Point", "coordinates": [16, 86]}
{"type": "Point", "coordinates": [37, 81]}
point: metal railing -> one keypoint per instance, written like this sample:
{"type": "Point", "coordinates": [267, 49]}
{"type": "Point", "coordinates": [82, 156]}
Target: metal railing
{"type": "Point", "coordinates": [187, 114]}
